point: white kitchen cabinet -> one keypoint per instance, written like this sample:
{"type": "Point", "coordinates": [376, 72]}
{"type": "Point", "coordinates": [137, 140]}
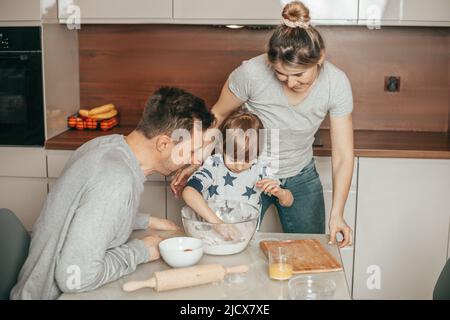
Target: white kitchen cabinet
{"type": "Point", "coordinates": [24, 196]}
{"type": "Point", "coordinates": [23, 182]}
{"type": "Point", "coordinates": [153, 199]}
{"type": "Point", "coordinates": [20, 10]}
{"type": "Point", "coordinates": [23, 162]}
{"type": "Point", "coordinates": [227, 10]}
{"type": "Point", "coordinates": [323, 166]}
{"type": "Point", "coordinates": [330, 12]}
{"type": "Point", "coordinates": [261, 12]}
{"type": "Point", "coordinates": [27, 12]}
{"type": "Point", "coordinates": [404, 12]}
{"type": "Point", "coordinates": [174, 206]}
{"type": "Point", "coordinates": [402, 227]}
{"type": "Point", "coordinates": [115, 11]}
{"type": "Point", "coordinates": [60, 69]}
{"type": "Point", "coordinates": [51, 182]}
{"type": "Point", "coordinates": [448, 245]}
{"type": "Point", "coordinates": [56, 160]}
{"type": "Point", "coordinates": [271, 221]}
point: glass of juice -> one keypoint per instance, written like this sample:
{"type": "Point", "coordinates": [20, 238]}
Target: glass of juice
{"type": "Point", "coordinates": [280, 263]}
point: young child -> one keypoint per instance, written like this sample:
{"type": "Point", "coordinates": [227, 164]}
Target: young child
{"type": "Point", "coordinates": [226, 177]}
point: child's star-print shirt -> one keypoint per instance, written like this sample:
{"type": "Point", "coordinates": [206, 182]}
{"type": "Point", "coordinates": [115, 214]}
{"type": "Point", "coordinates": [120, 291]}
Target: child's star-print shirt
{"type": "Point", "coordinates": [216, 182]}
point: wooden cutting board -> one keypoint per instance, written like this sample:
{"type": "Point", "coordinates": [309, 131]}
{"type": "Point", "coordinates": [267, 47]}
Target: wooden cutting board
{"type": "Point", "coordinates": [309, 255]}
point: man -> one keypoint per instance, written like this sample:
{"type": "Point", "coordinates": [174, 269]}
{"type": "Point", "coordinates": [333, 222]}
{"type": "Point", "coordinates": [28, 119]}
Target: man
{"type": "Point", "coordinates": [79, 242]}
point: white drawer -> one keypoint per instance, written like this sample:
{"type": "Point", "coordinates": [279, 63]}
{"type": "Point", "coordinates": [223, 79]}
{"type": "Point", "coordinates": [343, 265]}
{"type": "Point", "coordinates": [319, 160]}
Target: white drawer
{"type": "Point", "coordinates": [349, 210]}
{"type": "Point", "coordinates": [347, 261]}
{"type": "Point", "coordinates": [24, 196]}
{"type": "Point", "coordinates": [56, 160]}
{"type": "Point", "coordinates": [23, 162]}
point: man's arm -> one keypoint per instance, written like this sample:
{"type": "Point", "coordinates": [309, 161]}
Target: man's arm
{"type": "Point", "coordinates": [144, 221]}
{"type": "Point", "coordinates": [100, 214]}
{"type": "Point", "coordinates": [141, 221]}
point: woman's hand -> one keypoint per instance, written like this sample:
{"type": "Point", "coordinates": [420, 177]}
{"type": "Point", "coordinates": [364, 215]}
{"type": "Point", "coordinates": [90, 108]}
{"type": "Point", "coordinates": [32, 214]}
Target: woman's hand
{"type": "Point", "coordinates": [270, 187]}
{"type": "Point", "coordinates": [180, 179]}
{"type": "Point", "coordinates": [338, 225]}
{"type": "Point", "coordinates": [162, 224]}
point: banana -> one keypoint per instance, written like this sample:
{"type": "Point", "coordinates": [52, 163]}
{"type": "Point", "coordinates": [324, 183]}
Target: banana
{"type": "Point", "coordinates": [100, 110]}
{"type": "Point", "coordinates": [105, 115]}
{"type": "Point", "coordinates": [84, 113]}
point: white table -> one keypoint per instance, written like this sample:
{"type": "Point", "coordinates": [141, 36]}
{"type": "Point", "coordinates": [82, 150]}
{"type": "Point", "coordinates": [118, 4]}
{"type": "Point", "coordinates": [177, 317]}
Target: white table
{"type": "Point", "coordinates": [257, 284]}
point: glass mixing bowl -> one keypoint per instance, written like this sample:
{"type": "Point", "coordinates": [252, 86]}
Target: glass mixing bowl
{"type": "Point", "coordinates": [240, 220]}
{"type": "Point", "coordinates": [311, 287]}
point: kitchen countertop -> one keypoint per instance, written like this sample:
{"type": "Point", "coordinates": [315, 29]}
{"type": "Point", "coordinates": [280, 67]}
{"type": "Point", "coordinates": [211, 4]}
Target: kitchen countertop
{"type": "Point", "coordinates": [257, 284]}
{"type": "Point", "coordinates": [389, 144]}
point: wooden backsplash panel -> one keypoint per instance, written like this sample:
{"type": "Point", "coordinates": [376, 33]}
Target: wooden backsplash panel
{"type": "Point", "coordinates": [124, 64]}
{"type": "Point", "coordinates": [420, 56]}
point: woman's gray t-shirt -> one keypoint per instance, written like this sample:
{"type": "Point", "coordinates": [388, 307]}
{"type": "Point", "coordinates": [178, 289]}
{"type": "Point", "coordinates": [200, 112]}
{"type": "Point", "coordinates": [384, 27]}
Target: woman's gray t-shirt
{"type": "Point", "coordinates": [255, 82]}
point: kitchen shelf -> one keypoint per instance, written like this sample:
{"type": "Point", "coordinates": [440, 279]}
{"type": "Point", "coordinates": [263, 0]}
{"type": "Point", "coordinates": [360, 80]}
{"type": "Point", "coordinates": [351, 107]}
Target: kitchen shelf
{"type": "Point", "coordinates": [386, 144]}
{"type": "Point", "coordinates": [72, 139]}
{"type": "Point", "coordinates": [393, 144]}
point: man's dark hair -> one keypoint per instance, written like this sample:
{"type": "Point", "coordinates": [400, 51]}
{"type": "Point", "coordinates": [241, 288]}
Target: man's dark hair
{"type": "Point", "coordinates": [171, 108]}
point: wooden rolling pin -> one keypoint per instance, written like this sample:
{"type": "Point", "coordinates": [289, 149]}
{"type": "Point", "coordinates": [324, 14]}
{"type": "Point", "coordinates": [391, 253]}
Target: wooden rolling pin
{"type": "Point", "coordinates": [185, 277]}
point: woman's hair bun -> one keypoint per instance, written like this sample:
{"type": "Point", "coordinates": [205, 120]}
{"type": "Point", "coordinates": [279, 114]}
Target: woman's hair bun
{"type": "Point", "coordinates": [296, 11]}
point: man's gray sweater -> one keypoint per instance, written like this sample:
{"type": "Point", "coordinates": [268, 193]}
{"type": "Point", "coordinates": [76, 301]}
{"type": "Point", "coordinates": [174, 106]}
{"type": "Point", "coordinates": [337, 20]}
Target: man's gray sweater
{"type": "Point", "coordinates": [80, 240]}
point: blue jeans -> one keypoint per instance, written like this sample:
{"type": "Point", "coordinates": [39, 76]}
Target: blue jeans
{"type": "Point", "coordinates": [307, 213]}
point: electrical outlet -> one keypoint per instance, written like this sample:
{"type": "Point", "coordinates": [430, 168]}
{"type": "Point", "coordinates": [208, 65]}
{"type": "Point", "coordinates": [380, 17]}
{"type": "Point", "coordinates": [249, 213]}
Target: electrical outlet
{"type": "Point", "coordinates": [392, 83]}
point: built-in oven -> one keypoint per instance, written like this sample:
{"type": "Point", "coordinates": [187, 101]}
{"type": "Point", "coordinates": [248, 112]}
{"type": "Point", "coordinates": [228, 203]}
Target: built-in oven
{"type": "Point", "coordinates": [21, 87]}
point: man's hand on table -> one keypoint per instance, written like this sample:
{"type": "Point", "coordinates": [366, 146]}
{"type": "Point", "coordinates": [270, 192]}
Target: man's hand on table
{"type": "Point", "coordinates": [151, 242]}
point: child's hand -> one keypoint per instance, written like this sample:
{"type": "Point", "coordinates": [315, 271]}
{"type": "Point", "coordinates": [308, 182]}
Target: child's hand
{"type": "Point", "coordinates": [270, 187]}
{"type": "Point", "coordinates": [227, 231]}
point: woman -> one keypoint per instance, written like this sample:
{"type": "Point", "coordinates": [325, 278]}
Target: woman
{"type": "Point", "coordinates": [291, 89]}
